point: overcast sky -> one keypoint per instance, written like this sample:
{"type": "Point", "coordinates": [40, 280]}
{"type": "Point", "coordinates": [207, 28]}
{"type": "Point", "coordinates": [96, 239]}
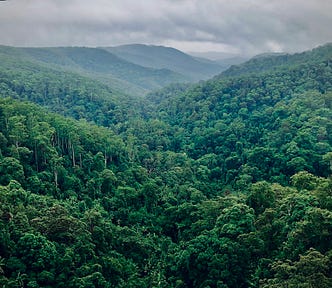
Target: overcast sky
{"type": "Point", "coordinates": [235, 26]}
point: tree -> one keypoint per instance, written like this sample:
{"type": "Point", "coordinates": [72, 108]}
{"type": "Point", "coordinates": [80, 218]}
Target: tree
{"type": "Point", "coordinates": [10, 169]}
{"type": "Point", "coordinates": [311, 270]}
{"type": "Point", "coordinates": [261, 197]}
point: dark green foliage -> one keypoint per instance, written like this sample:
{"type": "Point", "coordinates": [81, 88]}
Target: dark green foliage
{"type": "Point", "coordinates": [260, 127]}
{"type": "Point", "coordinates": [223, 184]}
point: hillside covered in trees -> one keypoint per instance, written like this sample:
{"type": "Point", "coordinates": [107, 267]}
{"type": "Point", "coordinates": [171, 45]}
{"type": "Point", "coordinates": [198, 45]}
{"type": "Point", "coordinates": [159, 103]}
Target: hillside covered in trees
{"type": "Point", "coordinates": [193, 69]}
{"type": "Point", "coordinates": [225, 183]}
{"type": "Point", "coordinates": [116, 67]}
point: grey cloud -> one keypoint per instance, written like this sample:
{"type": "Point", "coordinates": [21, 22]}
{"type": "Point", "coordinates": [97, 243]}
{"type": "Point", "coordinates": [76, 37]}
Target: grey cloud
{"type": "Point", "coordinates": [251, 26]}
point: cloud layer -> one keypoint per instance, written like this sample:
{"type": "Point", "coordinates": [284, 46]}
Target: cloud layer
{"type": "Point", "coordinates": [249, 27]}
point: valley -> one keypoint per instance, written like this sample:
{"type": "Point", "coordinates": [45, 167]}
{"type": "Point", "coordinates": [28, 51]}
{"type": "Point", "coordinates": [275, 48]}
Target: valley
{"type": "Point", "coordinates": [143, 166]}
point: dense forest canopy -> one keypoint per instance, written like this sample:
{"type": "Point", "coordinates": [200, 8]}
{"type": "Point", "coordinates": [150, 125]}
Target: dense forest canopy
{"type": "Point", "coordinates": [224, 183]}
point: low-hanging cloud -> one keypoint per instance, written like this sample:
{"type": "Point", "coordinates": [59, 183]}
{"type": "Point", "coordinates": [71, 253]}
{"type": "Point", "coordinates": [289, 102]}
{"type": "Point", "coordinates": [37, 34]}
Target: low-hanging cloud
{"type": "Point", "coordinates": [246, 27]}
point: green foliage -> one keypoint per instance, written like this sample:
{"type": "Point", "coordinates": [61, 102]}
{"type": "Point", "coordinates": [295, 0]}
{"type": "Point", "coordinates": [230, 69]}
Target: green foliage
{"type": "Point", "coordinates": [309, 271]}
{"type": "Point", "coordinates": [265, 126]}
{"type": "Point", "coordinates": [65, 91]}
{"type": "Point", "coordinates": [97, 64]}
{"type": "Point", "coordinates": [10, 169]}
{"type": "Point", "coordinates": [222, 184]}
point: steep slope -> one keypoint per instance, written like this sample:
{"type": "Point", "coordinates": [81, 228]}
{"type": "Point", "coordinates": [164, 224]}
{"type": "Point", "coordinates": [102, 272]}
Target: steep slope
{"type": "Point", "coordinates": [257, 126]}
{"type": "Point", "coordinates": [167, 58]}
{"type": "Point", "coordinates": [46, 160]}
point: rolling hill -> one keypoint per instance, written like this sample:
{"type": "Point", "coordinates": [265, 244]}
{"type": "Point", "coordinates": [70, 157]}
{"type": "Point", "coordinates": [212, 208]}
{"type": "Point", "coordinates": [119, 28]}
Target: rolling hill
{"type": "Point", "coordinates": [61, 90]}
{"type": "Point", "coordinates": [106, 67]}
{"type": "Point", "coordinates": [130, 69]}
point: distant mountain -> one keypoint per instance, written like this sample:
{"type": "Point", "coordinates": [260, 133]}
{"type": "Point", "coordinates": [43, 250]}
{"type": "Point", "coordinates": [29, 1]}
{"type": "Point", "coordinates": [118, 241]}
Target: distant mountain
{"type": "Point", "coordinates": [228, 62]}
{"type": "Point", "coordinates": [214, 55]}
{"type": "Point", "coordinates": [223, 59]}
{"type": "Point", "coordinates": [157, 57]}
{"type": "Point", "coordinates": [61, 90]}
{"type": "Point", "coordinates": [105, 66]}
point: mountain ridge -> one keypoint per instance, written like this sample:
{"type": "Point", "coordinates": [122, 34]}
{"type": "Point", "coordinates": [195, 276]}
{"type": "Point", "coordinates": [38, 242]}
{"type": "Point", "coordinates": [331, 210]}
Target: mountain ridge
{"type": "Point", "coordinates": [102, 63]}
{"type": "Point", "coordinates": [167, 57]}
{"type": "Point", "coordinates": [271, 61]}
